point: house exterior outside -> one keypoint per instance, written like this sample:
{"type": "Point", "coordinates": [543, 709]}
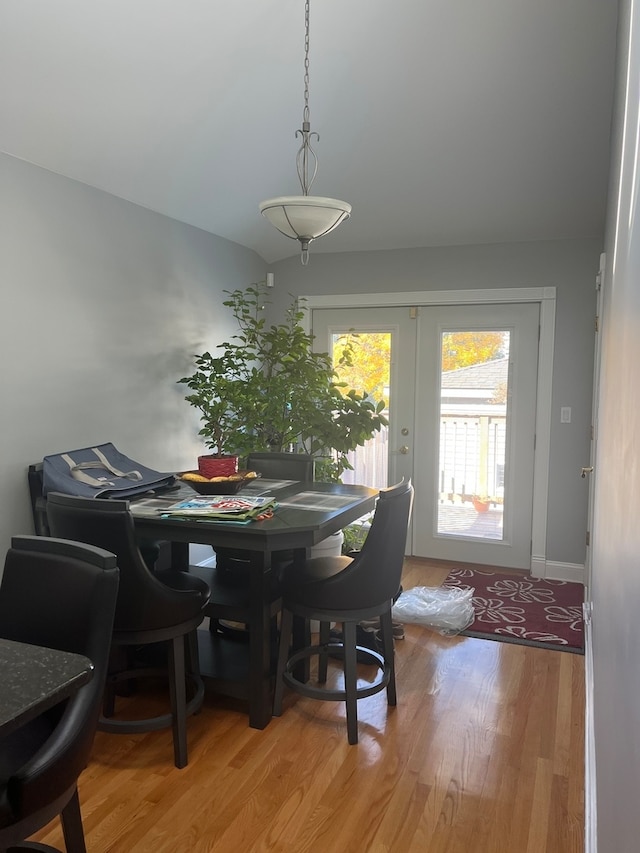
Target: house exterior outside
{"type": "Point", "coordinates": [472, 438]}
{"type": "Point", "coordinates": [473, 412]}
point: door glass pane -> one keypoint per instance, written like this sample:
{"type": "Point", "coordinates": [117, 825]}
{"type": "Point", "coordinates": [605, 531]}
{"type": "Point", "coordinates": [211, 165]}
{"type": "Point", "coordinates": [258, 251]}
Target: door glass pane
{"type": "Point", "coordinates": [473, 433]}
{"type": "Point", "coordinates": [369, 371]}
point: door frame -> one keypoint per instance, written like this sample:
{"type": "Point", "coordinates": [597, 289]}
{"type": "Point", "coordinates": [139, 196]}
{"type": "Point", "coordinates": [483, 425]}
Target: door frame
{"type": "Point", "coordinates": [546, 297]}
{"type": "Point", "coordinates": [597, 360]}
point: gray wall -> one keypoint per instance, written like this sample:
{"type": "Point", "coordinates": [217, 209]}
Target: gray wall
{"type": "Point", "coordinates": [102, 305]}
{"type": "Point", "coordinates": [616, 543]}
{"type": "Point", "coordinates": [569, 266]}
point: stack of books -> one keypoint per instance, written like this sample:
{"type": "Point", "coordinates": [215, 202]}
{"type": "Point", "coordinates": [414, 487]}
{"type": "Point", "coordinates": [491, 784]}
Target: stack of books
{"type": "Point", "coordinates": [228, 508]}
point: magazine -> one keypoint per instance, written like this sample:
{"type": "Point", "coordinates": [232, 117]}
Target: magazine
{"type": "Point", "coordinates": [223, 507]}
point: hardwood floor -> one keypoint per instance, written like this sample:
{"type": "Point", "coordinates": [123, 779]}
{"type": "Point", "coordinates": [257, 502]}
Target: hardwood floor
{"type": "Point", "coordinates": [483, 754]}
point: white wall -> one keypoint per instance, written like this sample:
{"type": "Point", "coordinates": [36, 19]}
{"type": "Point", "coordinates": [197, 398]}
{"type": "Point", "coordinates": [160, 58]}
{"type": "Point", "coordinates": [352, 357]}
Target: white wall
{"type": "Point", "coordinates": [103, 303]}
{"type": "Point", "coordinates": [569, 266]}
{"type": "Point", "coordinates": [616, 535]}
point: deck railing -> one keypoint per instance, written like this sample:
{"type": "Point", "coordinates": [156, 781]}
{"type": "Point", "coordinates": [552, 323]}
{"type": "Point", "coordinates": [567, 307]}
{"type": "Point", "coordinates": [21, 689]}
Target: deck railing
{"type": "Point", "coordinates": [472, 458]}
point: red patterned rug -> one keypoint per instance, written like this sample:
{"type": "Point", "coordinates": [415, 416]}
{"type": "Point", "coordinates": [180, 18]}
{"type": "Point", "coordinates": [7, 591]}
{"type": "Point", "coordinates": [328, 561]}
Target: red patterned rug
{"type": "Point", "coordinates": [522, 609]}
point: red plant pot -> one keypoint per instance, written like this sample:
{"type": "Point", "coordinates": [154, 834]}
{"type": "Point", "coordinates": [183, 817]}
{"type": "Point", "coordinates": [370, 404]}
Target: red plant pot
{"type": "Point", "coordinates": [480, 505]}
{"type": "Point", "coordinates": [217, 466]}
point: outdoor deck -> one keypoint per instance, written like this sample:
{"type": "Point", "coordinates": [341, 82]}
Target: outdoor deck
{"type": "Point", "coordinates": [464, 520]}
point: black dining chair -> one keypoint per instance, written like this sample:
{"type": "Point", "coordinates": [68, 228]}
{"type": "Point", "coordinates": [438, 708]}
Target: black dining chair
{"type": "Point", "coordinates": [281, 466]}
{"type": "Point", "coordinates": [156, 554]}
{"type": "Point", "coordinates": [229, 604]}
{"type": "Point", "coordinates": [60, 595]}
{"type": "Point", "coordinates": [153, 608]}
{"type": "Point", "coordinates": [273, 466]}
{"type": "Point", "coordinates": [347, 590]}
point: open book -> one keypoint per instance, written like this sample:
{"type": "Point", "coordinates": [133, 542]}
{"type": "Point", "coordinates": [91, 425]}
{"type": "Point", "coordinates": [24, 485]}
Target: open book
{"type": "Point", "coordinates": [223, 507]}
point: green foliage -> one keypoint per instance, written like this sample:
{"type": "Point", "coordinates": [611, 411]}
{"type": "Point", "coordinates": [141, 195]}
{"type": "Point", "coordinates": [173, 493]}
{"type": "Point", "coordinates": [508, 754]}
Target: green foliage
{"type": "Point", "coordinates": [354, 536]}
{"type": "Point", "coordinates": [268, 390]}
{"type": "Point", "coordinates": [364, 360]}
{"type": "Point", "coordinates": [464, 349]}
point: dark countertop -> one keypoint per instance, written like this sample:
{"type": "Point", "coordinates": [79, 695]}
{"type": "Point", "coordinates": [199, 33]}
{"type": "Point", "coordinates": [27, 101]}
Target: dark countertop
{"type": "Point", "coordinates": [33, 678]}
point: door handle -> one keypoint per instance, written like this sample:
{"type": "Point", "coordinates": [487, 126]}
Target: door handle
{"type": "Point", "coordinates": [585, 471]}
{"type": "Point", "coordinates": [404, 450]}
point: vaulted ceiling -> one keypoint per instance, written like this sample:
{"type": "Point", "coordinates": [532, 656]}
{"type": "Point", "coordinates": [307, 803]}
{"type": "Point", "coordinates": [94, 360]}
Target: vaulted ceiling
{"type": "Point", "coordinates": [442, 123]}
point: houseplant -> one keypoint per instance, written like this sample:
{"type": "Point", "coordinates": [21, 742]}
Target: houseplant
{"type": "Point", "coordinates": [481, 503]}
{"type": "Point", "coordinates": [268, 390]}
{"type": "Point", "coordinates": [218, 389]}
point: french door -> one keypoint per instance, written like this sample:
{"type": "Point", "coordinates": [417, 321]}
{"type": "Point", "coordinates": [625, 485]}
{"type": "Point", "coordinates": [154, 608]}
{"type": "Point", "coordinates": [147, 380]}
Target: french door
{"type": "Point", "coordinates": [461, 421]}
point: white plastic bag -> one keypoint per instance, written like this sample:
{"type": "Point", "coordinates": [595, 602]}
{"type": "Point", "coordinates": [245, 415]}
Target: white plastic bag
{"type": "Point", "coordinates": [447, 610]}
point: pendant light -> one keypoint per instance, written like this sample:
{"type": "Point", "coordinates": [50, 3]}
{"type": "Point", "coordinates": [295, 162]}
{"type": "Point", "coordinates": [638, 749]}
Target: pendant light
{"type": "Point", "coordinates": [305, 217]}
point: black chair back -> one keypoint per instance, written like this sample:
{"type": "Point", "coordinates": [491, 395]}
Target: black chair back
{"type": "Point", "coordinates": [374, 575]}
{"type": "Point", "coordinates": [282, 466]}
{"type": "Point", "coordinates": [38, 500]}
{"type": "Point", "coordinates": [61, 595]}
{"type": "Point", "coordinates": [145, 603]}
{"type": "Point", "coordinates": [347, 590]}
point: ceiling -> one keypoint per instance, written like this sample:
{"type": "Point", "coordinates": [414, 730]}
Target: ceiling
{"type": "Point", "coordinates": [442, 123]}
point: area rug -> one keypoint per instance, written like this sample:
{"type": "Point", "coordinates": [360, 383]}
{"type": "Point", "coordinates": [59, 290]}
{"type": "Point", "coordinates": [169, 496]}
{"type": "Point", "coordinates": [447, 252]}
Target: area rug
{"type": "Point", "coordinates": [522, 609]}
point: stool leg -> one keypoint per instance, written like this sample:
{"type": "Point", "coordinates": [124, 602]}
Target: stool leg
{"type": "Point", "coordinates": [109, 699]}
{"type": "Point", "coordinates": [178, 693]}
{"type": "Point", "coordinates": [193, 670]}
{"type": "Point", "coordinates": [286, 627]}
{"type": "Point", "coordinates": [323, 657]}
{"type": "Point", "coordinates": [350, 679]}
{"type": "Point", "coordinates": [72, 826]}
{"type": "Point", "coordinates": [193, 654]}
{"type": "Point", "coordinates": [386, 629]}
{"type": "Point", "coordinates": [120, 658]}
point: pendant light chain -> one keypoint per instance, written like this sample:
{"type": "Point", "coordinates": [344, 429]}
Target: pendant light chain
{"type": "Point", "coordinates": [305, 113]}
{"type": "Point", "coordinates": [306, 155]}
{"type": "Point", "coordinates": [306, 217]}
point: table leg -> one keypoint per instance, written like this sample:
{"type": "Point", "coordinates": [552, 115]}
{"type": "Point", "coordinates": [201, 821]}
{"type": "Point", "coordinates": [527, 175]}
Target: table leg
{"type": "Point", "coordinates": [301, 634]}
{"type": "Point", "coordinates": [180, 556]}
{"type": "Point", "coordinates": [260, 694]}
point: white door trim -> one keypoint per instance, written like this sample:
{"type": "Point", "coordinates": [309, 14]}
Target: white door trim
{"type": "Point", "coordinates": [546, 296]}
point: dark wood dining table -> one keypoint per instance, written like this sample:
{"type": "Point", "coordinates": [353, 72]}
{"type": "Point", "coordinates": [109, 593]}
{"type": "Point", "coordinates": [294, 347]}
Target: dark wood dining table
{"type": "Point", "coordinates": [306, 514]}
{"type": "Point", "coordinates": [34, 679]}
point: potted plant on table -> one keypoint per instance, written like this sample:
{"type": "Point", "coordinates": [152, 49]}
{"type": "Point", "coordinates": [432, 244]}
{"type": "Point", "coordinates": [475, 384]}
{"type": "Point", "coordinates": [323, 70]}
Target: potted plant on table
{"type": "Point", "coordinates": [217, 389]}
{"type": "Point", "coordinates": [268, 390]}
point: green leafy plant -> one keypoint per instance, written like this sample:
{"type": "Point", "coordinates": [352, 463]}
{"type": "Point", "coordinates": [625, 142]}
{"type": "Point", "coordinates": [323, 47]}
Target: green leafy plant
{"type": "Point", "coordinates": [268, 389]}
{"type": "Point", "coordinates": [354, 536]}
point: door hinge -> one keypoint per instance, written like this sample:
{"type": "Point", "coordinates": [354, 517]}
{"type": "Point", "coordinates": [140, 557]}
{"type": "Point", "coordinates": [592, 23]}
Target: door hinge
{"type": "Point", "coordinates": [588, 538]}
{"type": "Point", "coordinates": [600, 273]}
{"type": "Point", "coordinates": [597, 323]}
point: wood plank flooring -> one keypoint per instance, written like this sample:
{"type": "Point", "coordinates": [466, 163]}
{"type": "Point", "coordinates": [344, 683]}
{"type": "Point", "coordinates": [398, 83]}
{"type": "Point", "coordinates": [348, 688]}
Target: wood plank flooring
{"type": "Point", "coordinates": [483, 754]}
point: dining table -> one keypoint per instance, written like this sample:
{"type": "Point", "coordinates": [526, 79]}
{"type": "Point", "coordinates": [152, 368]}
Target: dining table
{"type": "Point", "coordinates": [34, 679]}
{"type": "Point", "coordinates": [305, 514]}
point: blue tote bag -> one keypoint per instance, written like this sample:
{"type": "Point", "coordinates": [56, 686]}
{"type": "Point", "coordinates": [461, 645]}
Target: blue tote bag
{"type": "Point", "coordinates": [99, 472]}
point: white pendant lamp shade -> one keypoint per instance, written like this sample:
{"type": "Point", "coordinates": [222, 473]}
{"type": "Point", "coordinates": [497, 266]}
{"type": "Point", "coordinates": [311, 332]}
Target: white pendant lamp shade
{"type": "Point", "coordinates": [305, 218]}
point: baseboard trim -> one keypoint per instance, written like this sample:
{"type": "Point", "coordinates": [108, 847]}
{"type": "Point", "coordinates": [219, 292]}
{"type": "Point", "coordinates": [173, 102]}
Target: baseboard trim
{"type": "Point", "coordinates": [550, 570]}
{"type": "Point", "coordinates": [590, 810]}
